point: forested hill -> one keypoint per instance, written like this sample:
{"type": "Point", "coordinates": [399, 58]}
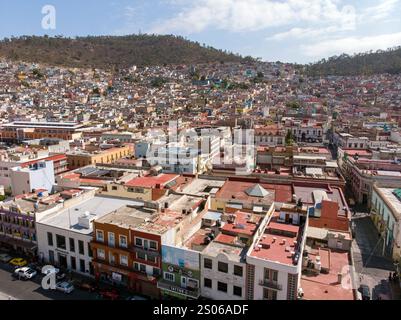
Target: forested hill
{"type": "Point", "coordinates": [368, 63]}
{"type": "Point", "coordinates": [111, 51]}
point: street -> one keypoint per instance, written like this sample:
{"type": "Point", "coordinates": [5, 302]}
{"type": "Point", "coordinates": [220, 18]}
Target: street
{"type": "Point", "coordinates": [371, 266]}
{"type": "Point", "coordinates": [13, 289]}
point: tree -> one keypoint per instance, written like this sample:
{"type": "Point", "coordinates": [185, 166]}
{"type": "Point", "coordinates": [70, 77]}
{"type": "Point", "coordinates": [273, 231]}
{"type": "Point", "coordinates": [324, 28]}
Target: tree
{"type": "Point", "coordinates": [289, 138]}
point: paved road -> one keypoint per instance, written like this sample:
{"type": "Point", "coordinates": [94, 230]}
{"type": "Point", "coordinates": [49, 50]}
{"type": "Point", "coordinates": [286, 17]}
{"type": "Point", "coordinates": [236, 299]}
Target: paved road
{"type": "Point", "coordinates": [372, 267]}
{"type": "Point", "coordinates": [32, 290]}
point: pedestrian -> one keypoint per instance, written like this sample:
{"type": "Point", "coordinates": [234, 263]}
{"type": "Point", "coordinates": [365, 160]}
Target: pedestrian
{"type": "Point", "coordinates": [390, 277]}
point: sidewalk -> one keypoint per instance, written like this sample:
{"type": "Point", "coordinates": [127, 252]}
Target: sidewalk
{"type": "Point", "coordinates": [4, 296]}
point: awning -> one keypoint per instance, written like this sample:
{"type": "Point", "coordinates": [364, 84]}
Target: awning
{"type": "Point", "coordinates": [18, 242]}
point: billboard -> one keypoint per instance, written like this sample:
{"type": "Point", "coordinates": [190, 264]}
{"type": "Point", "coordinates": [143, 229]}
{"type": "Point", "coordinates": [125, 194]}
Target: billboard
{"type": "Point", "coordinates": [181, 257]}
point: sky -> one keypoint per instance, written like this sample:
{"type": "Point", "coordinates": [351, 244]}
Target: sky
{"type": "Point", "coordinates": [301, 31]}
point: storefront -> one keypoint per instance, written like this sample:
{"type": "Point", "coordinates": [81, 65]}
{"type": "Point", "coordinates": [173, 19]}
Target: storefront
{"type": "Point", "coordinates": [111, 275]}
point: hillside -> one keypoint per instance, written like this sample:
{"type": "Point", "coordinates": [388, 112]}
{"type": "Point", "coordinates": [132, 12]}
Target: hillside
{"type": "Point", "coordinates": [111, 51]}
{"type": "Point", "coordinates": [368, 63]}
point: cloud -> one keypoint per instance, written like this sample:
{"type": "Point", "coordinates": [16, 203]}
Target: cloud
{"type": "Point", "coordinates": [253, 15]}
{"type": "Point", "coordinates": [351, 45]}
{"type": "Point", "coordinates": [379, 11]}
{"type": "Point", "coordinates": [306, 33]}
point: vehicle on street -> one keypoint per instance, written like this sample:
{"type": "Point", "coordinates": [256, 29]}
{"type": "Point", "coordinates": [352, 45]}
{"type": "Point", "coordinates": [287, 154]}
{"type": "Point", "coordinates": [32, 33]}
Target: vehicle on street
{"type": "Point", "coordinates": [24, 273]}
{"type": "Point", "coordinates": [109, 294]}
{"type": "Point", "coordinates": [65, 287]}
{"type": "Point", "coordinates": [365, 291]}
{"type": "Point", "coordinates": [136, 298]}
{"type": "Point", "coordinates": [18, 262]}
{"type": "Point", "coordinates": [88, 286]}
{"type": "Point", "coordinates": [4, 257]}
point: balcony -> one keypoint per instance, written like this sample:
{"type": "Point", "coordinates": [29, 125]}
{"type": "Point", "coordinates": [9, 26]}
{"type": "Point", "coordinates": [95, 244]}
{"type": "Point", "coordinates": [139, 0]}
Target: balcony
{"type": "Point", "coordinates": [171, 286]}
{"type": "Point", "coordinates": [270, 284]}
{"type": "Point", "coordinates": [149, 252]}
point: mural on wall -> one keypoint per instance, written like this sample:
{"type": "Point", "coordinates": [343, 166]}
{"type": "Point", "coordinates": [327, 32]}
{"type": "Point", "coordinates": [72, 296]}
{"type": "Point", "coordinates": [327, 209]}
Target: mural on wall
{"type": "Point", "coordinates": [182, 258]}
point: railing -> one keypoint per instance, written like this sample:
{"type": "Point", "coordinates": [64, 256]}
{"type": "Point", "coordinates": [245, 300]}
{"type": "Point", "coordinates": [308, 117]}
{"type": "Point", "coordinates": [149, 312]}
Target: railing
{"type": "Point", "coordinates": [149, 252]}
{"type": "Point", "coordinates": [270, 284]}
{"type": "Point", "coordinates": [169, 286]}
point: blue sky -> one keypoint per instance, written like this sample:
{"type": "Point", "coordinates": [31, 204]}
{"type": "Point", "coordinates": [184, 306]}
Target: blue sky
{"type": "Point", "coordinates": [286, 30]}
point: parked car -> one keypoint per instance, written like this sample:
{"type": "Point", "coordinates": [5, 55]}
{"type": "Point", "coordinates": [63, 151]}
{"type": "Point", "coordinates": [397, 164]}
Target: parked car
{"type": "Point", "coordinates": [35, 266]}
{"type": "Point", "coordinates": [18, 262]}
{"type": "Point", "coordinates": [365, 291]}
{"type": "Point", "coordinates": [88, 286]}
{"type": "Point", "coordinates": [24, 273]}
{"type": "Point", "coordinates": [4, 257]}
{"type": "Point", "coordinates": [109, 294]}
{"type": "Point", "coordinates": [65, 287]}
{"type": "Point", "coordinates": [136, 298]}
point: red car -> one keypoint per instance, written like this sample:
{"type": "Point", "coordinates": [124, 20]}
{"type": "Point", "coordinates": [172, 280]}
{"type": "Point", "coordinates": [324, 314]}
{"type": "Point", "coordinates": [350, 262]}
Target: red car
{"type": "Point", "coordinates": [109, 294]}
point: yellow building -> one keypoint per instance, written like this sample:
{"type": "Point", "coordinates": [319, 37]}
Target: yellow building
{"type": "Point", "coordinates": [78, 159]}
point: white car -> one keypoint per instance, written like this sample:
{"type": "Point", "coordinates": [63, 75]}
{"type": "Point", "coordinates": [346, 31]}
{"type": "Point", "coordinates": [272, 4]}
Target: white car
{"type": "Point", "coordinates": [65, 287]}
{"type": "Point", "coordinates": [24, 273]}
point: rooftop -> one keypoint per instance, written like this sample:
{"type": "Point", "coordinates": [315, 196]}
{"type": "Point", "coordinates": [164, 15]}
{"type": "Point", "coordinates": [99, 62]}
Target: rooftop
{"type": "Point", "coordinates": [97, 206]}
{"type": "Point", "coordinates": [152, 181]}
{"type": "Point", "coordinates": [326, 286]}
{"type": "Point", "coordinates": [236, 254]}
{"type": "Point", "coordinates": [278, 243]}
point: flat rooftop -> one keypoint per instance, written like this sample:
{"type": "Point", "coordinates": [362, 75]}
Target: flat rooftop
{"type": "Point", "coordinates": [203, 186]}
{"type": "Point", "coordinates": [97, 206]}
{"type": "Point", "coordinates": [325, 286]}
{"type": "Point", "coordinates": [128, 216]}
{"type": "Point", "coordinates": [244, 223]}
{"type": "Point", "coordinates": [236, 254]}
{"type": "Point", "coordinates": [152, 181]}
{"type": "Point", "coordinates": [278, 242]}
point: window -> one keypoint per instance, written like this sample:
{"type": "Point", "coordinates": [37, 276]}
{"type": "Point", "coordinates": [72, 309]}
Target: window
{"type": "Point", "coordinates": [207, 282]}
{"type": "Point", "coordinates": [50, 239]}
{"type": "Point", "coordinates": [112, 259]}
{"type": "Point", "coordinates": [81, 249]}
{"type": "Point", "coordinates": [153, 245]}
{"type": "Point", "coordinates": [73, 263]}
{"type": "Point", "coordinates": [114, 188]}
{"type": "Point", "coordinates": [90, 254]}
{"type": "Point", "coordinates": [221, 286]}
{"type": "Point", "coordinates": [60, 242]}
{"type": "Point", "coordinates": [169, 276]}
{"type": "Point", "coordinates": [238, 270]}
{"type": "Point", "coordinates": [51, 256]}
{"type": "Point", "coordinates": [151, 258]}
{"type": "Point", "coordinates": [111, 239]}
{"type": "Point", "coordinates": [101, 254]}
{"type": "Point", "coordinates": [81, 265]}
{"type": "Point", "coordinates": [99, 236]}
{"type": "Point", "coordinates": [156, 272]}
{"type": "Point", "coordinates": [271, 275]}
{"type": "Point", "coordinates": [208, 263]}
{"type": "Point", "coordinates": [223, 267]}
{"type": "Point", "coordinates": [123, 241]}
{"type": "Point", "coordinates": [237, 291]}
{"type": "Point", "coordinates": [141, 255]}
{"type": "Point", "coordinates": [140, 267]}
{"type": "Point", "coordinates": [123, 260]}
{"type": "Point", "coordinates": [72, 245]}
{"type": "Point", "coordinates": [139, 242]}
{"type": "Point", "coordinates": [269, 294]}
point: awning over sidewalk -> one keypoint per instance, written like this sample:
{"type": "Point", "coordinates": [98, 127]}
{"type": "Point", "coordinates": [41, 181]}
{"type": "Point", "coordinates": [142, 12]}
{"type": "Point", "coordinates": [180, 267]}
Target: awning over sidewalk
{"type": "Point", "coordinates": [18, 242]}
